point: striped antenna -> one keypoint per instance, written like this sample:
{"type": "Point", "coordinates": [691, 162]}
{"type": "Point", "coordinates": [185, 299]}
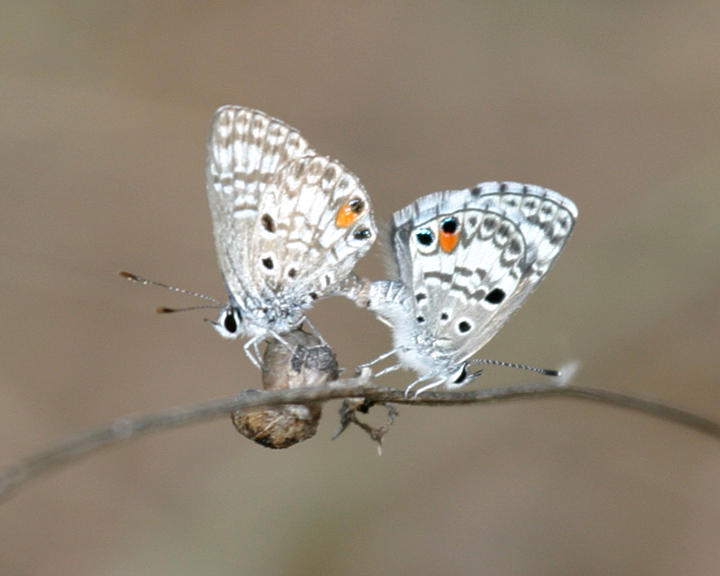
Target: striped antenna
{"type": "Point", "coordinates": [163, 310]}
{"type": "Point", "coordinates": [544, 371]}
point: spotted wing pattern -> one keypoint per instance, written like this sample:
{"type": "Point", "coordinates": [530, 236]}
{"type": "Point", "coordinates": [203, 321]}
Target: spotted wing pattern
{"type": "Point", "coordinates": [469, 258]}
{"type": "Point", "coordinates": [314, 223]}
{"type": "Point", "coordinates": [245, 149]}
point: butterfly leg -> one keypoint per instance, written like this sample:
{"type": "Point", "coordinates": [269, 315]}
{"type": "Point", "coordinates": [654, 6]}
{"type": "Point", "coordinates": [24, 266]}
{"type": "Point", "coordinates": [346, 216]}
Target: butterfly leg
{"type": "Point", "coordinates": [281, 340]}
{"type": "Point", "coordinates": [315, 331]}
{"type": "Point", "coordinates": [389, 369]}
{"type": "Point", "coordinates": [254, 358]}
{"type": "Point", "coordinates": [427, 387]}
{"type": "Point", "coordinates": [415, 383]}
{"type": "Point", "coordinates": [379, 358]}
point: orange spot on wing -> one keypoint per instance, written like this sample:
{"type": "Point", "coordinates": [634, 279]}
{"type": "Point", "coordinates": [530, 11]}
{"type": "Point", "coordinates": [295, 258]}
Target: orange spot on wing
{"type": "Point", "coordinates": [348, 213]}
{"type": "Point", "coordinates": [448, 240]}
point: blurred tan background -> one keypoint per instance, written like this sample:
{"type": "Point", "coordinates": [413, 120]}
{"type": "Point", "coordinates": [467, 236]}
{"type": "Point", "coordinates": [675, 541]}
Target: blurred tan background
{"type": "Point", "coordinates": [105, 108]}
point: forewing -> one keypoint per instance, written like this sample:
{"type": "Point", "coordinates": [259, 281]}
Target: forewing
{"type": "Point", "coordinates": [314, 223]}
{"type": "Point", "coordinates": [245, 149]}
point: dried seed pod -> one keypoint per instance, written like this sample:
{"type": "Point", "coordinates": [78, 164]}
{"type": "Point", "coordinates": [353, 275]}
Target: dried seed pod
{"type": "Point", "coordinates": [307, 363]}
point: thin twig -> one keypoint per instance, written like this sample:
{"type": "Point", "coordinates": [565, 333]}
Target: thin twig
{"type": "Point", "coordinates": [133, 426]}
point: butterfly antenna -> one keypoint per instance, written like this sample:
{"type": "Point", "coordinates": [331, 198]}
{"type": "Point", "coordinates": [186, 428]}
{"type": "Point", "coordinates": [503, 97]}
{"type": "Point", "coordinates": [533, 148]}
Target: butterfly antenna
{"type": "Point", "coordinates": [544, 371]}
{"type": "Point", "coordinates": [163, 310]}
{"type": "Point", "coordinates": [166, 310]}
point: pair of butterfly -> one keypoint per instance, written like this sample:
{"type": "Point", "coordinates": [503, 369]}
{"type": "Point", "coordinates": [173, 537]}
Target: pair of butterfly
{"type": "Point", "coordinates": [290, 225]}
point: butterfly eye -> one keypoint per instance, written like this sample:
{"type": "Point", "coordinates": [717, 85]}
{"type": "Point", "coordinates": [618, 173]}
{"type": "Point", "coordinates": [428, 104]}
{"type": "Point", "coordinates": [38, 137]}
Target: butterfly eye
{"type": "Point", "coordinates": [495, 296]}
{"type": "Point", "coordinates": [229, 323]}
{"type": "Point", "coordinates": [460, 375]}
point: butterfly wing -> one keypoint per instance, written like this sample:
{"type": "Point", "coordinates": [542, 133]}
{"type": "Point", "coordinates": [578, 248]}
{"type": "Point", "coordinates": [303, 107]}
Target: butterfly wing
{"type": "Point", "coordinates": [245, 149]}
{"type": "Point", "coordinates": [314, 223]}
{"type": "Point", "coordinates": [471, 257]}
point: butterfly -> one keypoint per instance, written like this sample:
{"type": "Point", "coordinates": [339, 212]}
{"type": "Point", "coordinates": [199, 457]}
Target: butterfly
{"type": "Point", "coordinates": [463, 262]}
{"type": "Point", "coordinates": [289, 225]}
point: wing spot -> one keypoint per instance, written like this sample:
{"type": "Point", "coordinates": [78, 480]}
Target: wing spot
{"type": "Point", "coordinates": [449, 234]}
{"type": "Point", "coordinates": [495, 296]}
{"type": "Point", "coordinates": [420, 296]}
{"type": "Point", "coordinates": [444, 316]}
{"type": "Point", "coordinates": [349, 212]}
{"type": "Point", "coordinates": [362, 234]}
{"type": "Point", "coordinates": [268, 263]}
{"type": "Point", "coordinates": [449, 225]}
{"type": "Point", "coordinates": [514, 249]}
{"type": "Point", "coordinates": [464, 326]}
{"type": "Point", "coordinates": [356, 205]}
{"type": "Point", "coordinates": [268, 223]}
{"type": "Point", "coordinates": [420, 319]}
{"type": "Point", "coordinates": [424, 236]}
{"type": "Point", "coordinates": [292, 273]}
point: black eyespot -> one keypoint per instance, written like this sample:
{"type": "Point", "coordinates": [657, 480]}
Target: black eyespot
{"type": "Point", "coordinates": [464, 326]}
{"type": "Point", "coordinates": [449, 225]}
{"type": "Point", "coordinates": [268, 222]}
{"type": "Point", "coordinates": [420, 296]}
{"type": "Point", "coordinates": [495, 296]}
{"type": "Point", "coordinates": [230, 323]}
{"type": "Point", "coordinates": [424, 236]}
{"type": "Point", "coordinates": [268, 263]}
{"type": "Point", "coordinates": [292, 273]}
{"type": "Point", "coordinates": [420, 319]}
{"type": "Point", "coordinates": [313, 295]}
{"type": "Point", "coordinates": [461, 377]}
{"type": "Point", "coordinates": [444, 316]}
{"type": "Point", "coordinates": [362, 234]}
{"type": "Point", "coordinates": [356, 205]}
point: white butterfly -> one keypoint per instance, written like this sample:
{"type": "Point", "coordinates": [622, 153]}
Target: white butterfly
{"type": "Point", "coordinates": [289, 225]}
{"type": "Point", "coordinates": [464, 260]}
